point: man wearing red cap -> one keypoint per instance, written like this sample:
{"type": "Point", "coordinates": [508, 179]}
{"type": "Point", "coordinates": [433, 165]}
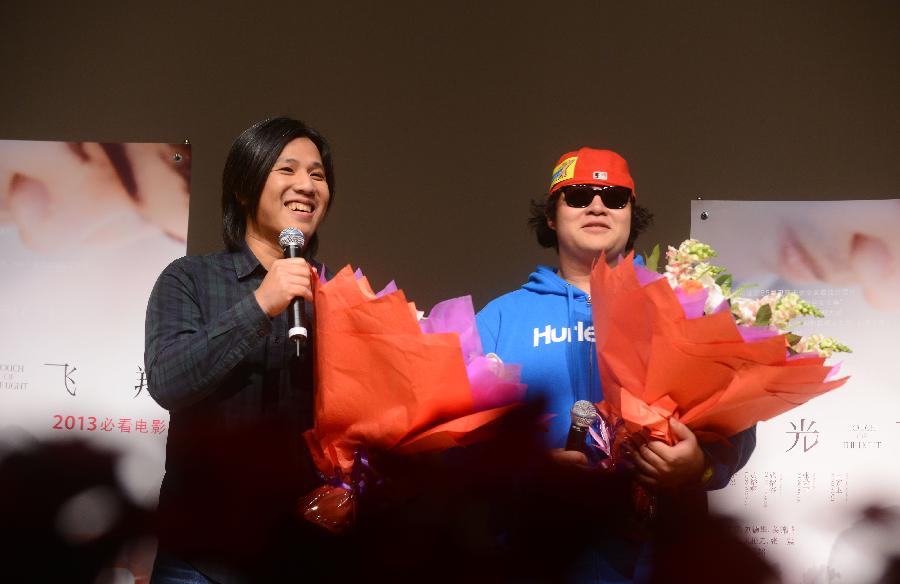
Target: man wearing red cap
{"type": "Point", "coordinates": [546, 326]}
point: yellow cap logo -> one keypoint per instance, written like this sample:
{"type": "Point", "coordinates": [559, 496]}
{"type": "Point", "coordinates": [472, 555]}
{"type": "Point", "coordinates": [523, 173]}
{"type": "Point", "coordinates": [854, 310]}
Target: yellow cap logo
{"type": "Point", "coordinates": [563, 171]}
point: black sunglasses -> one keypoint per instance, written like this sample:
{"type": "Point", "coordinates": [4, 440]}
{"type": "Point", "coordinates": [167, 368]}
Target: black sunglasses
{"type": "Point", "coordinates": [580, 196]}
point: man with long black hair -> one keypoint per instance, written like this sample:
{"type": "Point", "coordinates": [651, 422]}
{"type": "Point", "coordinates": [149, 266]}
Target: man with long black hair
{"type": "Point", "coordinates": [218, 358]}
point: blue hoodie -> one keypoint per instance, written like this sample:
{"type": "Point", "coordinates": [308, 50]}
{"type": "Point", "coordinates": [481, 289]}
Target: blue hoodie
{"type": "Point", "coordinates": [546, 326]}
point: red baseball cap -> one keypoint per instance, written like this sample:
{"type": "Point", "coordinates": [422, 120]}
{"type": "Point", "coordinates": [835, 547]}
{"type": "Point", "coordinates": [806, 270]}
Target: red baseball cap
{"type": "Point", "coordinates": [589, 166]}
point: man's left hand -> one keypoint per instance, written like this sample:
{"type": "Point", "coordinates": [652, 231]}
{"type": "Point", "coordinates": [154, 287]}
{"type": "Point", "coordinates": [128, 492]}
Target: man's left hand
{"type": "Point", "coordinates": [670, 467]}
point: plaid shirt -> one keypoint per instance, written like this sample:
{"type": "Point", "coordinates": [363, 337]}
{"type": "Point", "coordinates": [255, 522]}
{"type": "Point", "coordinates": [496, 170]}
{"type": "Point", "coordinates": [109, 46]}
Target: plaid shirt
{"type": "Point", "coordinates": [239, 399]}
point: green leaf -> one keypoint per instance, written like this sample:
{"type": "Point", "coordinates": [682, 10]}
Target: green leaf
{"type": "Point", "coordinates": [793, 339]}
{"type": "Point", "coordinates": [652, 260]}
{"type": "Point", "coordinates": [764, 315]}
{"type": "Point", "coordinates": [724, 280]}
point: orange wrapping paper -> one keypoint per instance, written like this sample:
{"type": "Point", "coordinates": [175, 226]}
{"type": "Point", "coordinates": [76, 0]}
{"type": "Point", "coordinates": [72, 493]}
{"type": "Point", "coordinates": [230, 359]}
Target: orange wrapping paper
{"type": "Point", "coordinates": [656, 363]}
{"type": "Point", "coordinates": [381, 382]}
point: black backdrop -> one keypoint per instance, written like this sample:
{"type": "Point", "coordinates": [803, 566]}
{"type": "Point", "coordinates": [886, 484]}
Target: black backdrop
{"type": "Point", "coordinates": [446, 117]}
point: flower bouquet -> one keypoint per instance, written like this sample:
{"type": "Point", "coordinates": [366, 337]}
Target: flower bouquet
{"type": "Point", "coordinates": [388, 381]}
{"type": "Point", "coordinates": [684, 344]}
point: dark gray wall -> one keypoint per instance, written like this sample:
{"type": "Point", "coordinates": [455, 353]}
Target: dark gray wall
{"type": "Point", "coordinates": [446, 117]}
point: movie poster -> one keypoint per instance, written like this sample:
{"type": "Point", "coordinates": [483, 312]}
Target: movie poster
{"type": "Point", "coordinates": [820, 495]}
{"type": "Point", "coordinates": [85, 229]}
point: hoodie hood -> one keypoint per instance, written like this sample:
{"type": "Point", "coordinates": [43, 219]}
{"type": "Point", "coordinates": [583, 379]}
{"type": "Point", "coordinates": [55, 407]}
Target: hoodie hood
{"type": "Point", "coordinates": [545, 280]}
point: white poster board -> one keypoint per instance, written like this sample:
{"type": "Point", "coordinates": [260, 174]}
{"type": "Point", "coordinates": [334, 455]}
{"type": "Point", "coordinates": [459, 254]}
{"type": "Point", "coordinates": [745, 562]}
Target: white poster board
{"type": "Point", "coordinates": [817, 467]}
{"type": "Point", "coordinates": [85, 229]}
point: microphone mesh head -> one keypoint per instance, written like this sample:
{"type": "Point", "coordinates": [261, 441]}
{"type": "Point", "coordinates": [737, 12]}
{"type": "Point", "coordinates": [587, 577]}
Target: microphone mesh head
{"type": "Point", "coordinates": [291, 236]}
{"type": "Point", "coordinates": [584, 413]}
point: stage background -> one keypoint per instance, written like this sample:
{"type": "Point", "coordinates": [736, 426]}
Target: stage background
{"type": "Point", "coordinates": [446, 117]}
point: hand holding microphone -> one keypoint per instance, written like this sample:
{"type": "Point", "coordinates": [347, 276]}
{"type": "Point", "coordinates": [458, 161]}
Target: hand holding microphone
{"type": "Point", "coordinates": [287, 284]}
{"type": "Point", "coordinates": [291, 241]}
{"type": "Point", "coordinates": [583, 414]}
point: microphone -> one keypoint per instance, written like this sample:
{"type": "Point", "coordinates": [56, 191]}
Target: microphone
{"type": "Point", "coordinates": [292, 240]}
{"type": "Point", "coordinates": [583, 415]}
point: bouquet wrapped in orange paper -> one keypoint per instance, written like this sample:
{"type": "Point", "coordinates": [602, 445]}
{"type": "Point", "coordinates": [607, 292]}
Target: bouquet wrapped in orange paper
{"type": "Point", "coordinates": [387, 382]}
{"type": "Point", "coordinates": [684, 344]}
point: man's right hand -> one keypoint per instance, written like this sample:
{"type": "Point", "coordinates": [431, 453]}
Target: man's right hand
{"type": "Point", "coordinates": [569, 458]}
{"type": "Point", "coordinates": [287, 279]}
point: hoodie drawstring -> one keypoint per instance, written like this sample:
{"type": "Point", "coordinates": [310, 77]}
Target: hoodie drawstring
{"type": "Point", "coordinates": [581, 367]}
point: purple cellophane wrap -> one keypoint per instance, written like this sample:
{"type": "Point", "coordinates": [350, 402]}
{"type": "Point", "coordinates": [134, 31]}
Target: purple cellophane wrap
{"type": "Point", "coordinates": [456, 315]}
{"type": "Point", "coordinates": [756, 333]}
{"type": "Point", "coordinates": [645, 276]}
{"type": "Point", "coordinates": [391, 286]}
{"type": "Point", "coordinates": [692, 303]}
{"type": "Point", "coordinates": [389, 289]}
{"type": "Point", "coordinates": [494, 384]}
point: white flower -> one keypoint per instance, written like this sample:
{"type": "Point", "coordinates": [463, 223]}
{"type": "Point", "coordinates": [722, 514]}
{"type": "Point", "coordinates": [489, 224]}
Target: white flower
{"type": "Point", "coordinates": [820, 344]}
{"type": "Point", "coordinates": [671, 279]}
{"type": "Point", "coordinates": [744, 310]}
{"type": "Point", "coordinates": [714, 299]}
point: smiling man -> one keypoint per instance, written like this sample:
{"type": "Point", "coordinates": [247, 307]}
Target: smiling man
{"type": "Point", "coordinates": [219, 359]}
{"type": "Point", "coordinates": [547, 328]}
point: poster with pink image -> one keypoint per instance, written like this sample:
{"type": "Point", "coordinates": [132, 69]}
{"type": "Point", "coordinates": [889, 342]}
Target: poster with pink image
{"type": "Point", "coordinates": [85, 229]}
{"type": "Point", "coordinates": [820, 496]}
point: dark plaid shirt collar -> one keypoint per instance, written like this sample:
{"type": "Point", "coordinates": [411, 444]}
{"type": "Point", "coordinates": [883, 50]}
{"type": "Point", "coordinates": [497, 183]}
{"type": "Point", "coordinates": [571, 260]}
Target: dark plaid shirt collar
{"type": "Point", "coordinates": [245, 262]}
